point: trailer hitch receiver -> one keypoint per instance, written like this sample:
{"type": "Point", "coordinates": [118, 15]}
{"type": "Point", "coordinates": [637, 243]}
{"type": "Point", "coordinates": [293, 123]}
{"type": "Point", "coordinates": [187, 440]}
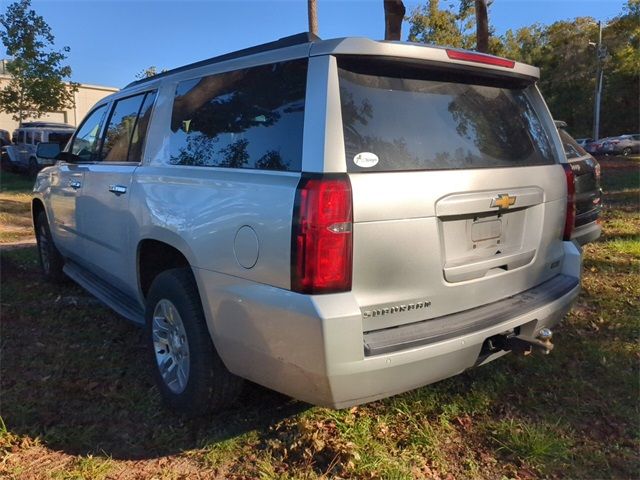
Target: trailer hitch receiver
{"type": "Point", "coordinates": [522, 344]}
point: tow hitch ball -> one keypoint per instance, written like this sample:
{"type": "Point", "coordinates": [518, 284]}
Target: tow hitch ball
{"type": "Point", "coordinates": [525, 345]}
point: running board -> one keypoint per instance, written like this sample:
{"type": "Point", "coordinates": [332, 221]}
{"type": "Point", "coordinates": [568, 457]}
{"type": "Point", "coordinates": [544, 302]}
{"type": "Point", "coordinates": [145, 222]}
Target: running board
{"type": "Point", "coordinates": [110, 296]}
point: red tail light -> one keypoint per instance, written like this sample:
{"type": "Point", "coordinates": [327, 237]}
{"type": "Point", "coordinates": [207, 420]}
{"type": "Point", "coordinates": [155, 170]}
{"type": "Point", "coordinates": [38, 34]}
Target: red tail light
{"type": "Point", "coordinates": [570, 219]}
{"type": "Point", "coordinates": [480, 58]}
{"type": "Point", "coordinates": [322, 237]}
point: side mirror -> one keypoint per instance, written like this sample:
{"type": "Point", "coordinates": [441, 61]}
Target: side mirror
{"type": "Point", "coordinates": [48, 150]}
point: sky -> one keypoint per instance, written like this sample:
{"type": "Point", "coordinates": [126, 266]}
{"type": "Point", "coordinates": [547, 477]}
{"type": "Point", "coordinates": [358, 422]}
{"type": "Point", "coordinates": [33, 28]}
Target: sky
{"type": "Point", "coordinates": [113, 40]}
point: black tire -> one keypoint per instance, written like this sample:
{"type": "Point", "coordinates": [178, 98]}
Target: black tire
{"type": "Point", "coordinates": [51, 261]}
{"type": "Point", "coordinates": [626, 151]}
{"type": "Point", "coordinates": [209, 385]}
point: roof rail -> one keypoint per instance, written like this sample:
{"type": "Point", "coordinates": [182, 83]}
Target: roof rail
{"type": "Point", "coordinates": [290, 41]}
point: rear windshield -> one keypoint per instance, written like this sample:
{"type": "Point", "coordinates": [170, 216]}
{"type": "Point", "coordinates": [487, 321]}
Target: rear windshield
{"type": "Point", "coordinates": [571, 148]}
{"type": "Point", "coordinates": [419, 120]}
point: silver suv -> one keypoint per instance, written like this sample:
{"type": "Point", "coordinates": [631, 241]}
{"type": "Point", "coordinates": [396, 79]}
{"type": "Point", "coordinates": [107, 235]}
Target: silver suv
{"type": "Point", "coordinates": [338, 220]}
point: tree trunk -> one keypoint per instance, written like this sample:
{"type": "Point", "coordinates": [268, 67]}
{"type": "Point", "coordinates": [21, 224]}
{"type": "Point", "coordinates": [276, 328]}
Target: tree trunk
{"type": "Point", "coordinates": [312, 10]}
{"type": "Point", "coordinates": [393, 15]}
{"type": "Point", "coordinates": [482, 26]}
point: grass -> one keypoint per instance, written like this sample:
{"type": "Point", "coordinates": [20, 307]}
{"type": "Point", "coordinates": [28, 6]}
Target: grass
{"type": "Point", "coordinates": [78, 402]}
{"type": "Point", "coordinates": [15, 208]}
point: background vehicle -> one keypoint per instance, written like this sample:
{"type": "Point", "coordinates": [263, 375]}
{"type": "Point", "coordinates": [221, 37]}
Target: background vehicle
{"type": "Point", "coordinates": [587, 191]}
{"type": "Point", "coordinates": [281, 214]}
{"type": "Point", "coordinates": [22, 155]}
{"type": "Point", "coordinates": [583, 142]}
{"type": "Point", "coordinates": [596, 147]}
{"type": "Point", "coordinates": [622, 145]}
{"type": "Point", "coordinates": [5, 138]}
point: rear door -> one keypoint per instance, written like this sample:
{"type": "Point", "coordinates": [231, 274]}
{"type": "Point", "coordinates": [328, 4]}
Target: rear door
{"type": "Point", "coordinates": [67, 182]}
{"type": "Point", "coordinates": [458, 197]}
{"type": "Point", "coordinates": [105, 197]}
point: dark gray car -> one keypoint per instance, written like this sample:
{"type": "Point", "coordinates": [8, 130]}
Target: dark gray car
{"type": "Point", "coordinates": [588, 194]}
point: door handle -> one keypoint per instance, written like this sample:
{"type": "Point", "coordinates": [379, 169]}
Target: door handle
{"type": "Point", "coordinates": [75, 184]}
{"type": "Point", "coordinates": [118, 189]}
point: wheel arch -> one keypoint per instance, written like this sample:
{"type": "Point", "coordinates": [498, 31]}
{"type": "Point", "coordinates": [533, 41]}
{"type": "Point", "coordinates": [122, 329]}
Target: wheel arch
{"type": "Point", "coordinates": [156, 254]}
{"type": "Point", "coordinates": [37, 206]}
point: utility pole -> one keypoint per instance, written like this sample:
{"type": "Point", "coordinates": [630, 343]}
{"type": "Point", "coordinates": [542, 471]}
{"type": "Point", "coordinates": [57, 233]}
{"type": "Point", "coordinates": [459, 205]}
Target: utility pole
{"type": "Point", "coordinates": [601, 53]}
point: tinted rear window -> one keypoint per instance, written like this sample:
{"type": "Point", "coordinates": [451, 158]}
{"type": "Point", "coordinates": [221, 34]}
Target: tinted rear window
{"type": "Point", "coordinates": [428, 122]}
{"type": "Point", "coordinates": [571, 148]}
{"type": "Point", "coordinates": [251, 118]}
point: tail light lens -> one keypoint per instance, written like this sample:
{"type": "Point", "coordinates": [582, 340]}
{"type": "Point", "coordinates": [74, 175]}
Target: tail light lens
{"type": "Point", "coordinates": [570, 219]}
{"type": "Point", "coordinates": [322, 236]}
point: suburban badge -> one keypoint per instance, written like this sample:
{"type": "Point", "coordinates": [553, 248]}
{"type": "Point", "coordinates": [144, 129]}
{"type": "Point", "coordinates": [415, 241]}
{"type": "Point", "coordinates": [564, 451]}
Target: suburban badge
{"type": "Point", "coordinates": [378, 312]}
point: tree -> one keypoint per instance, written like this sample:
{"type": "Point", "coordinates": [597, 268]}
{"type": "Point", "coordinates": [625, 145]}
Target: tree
{"type": "Point", "coordinates": [431, 24]}
{"type": "Point", "coordinates": [393, 15]}
{"type": "Point", "coordinates": [37, 72]}
{"type": "Point", "coordinates": [482, 26]}
{"type": "Point", "coordinates": [149, 72]}
{"type": "Point", "coordinates": [312, 12]}
{"type": "Point", "coordinates": [620, 99]}
{"type": "Point", "coordinates": [454, 27]}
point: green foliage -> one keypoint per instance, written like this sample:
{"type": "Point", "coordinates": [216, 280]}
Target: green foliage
{"type": "Point", "coordinates": [37, 72]}
{"type": "Point", "coordinates": [151, 71]}
{"type": "Point", "coordinates": [566, 60]}
{"type": "Point", "coordinates": [443, 26]}
{"type": "Point", "coordinates": [452, 25]}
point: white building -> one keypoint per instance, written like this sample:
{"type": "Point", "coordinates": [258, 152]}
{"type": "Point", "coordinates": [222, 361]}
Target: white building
{"type": "Point", "coordinates": [85, 98]}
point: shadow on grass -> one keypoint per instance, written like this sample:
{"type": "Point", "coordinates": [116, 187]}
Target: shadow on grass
{"type": "Point", "coordinates": [15, 182]}
{"type": "Point", "coordinates": [77, 376]}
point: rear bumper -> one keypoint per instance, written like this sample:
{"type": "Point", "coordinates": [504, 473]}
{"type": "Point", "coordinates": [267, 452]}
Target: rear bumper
{"type": "Point", "coordinates": [313, 347]}
{"type": "Point", "coordinates": [587, 233]}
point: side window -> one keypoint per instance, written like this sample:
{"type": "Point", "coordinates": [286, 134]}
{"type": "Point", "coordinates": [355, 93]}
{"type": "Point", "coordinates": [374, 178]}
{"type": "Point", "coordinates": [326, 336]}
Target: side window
{"type": "Point", "coordinates": [251, 118]}
{"type": "Point", "coordinates": [85, 143]}
{"type": "Point", "coordinates": [60, 138]}
{"type": "Point", "coordinates": [125, 131]}
{"type": "Point", "coordinates": [21, 136]}
{"type": "Point", "coordinates": [29, 138]}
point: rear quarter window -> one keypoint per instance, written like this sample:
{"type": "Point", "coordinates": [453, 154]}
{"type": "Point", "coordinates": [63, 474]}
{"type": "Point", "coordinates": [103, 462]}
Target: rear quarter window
{"type": "Point", "coordinates": [250, 118]}
{"type": "Point", "coordinates": [416, 120]}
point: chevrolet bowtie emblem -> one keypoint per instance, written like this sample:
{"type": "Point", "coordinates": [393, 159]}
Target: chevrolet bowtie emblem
{"type": "Point", "coordinates": [503, 201]}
